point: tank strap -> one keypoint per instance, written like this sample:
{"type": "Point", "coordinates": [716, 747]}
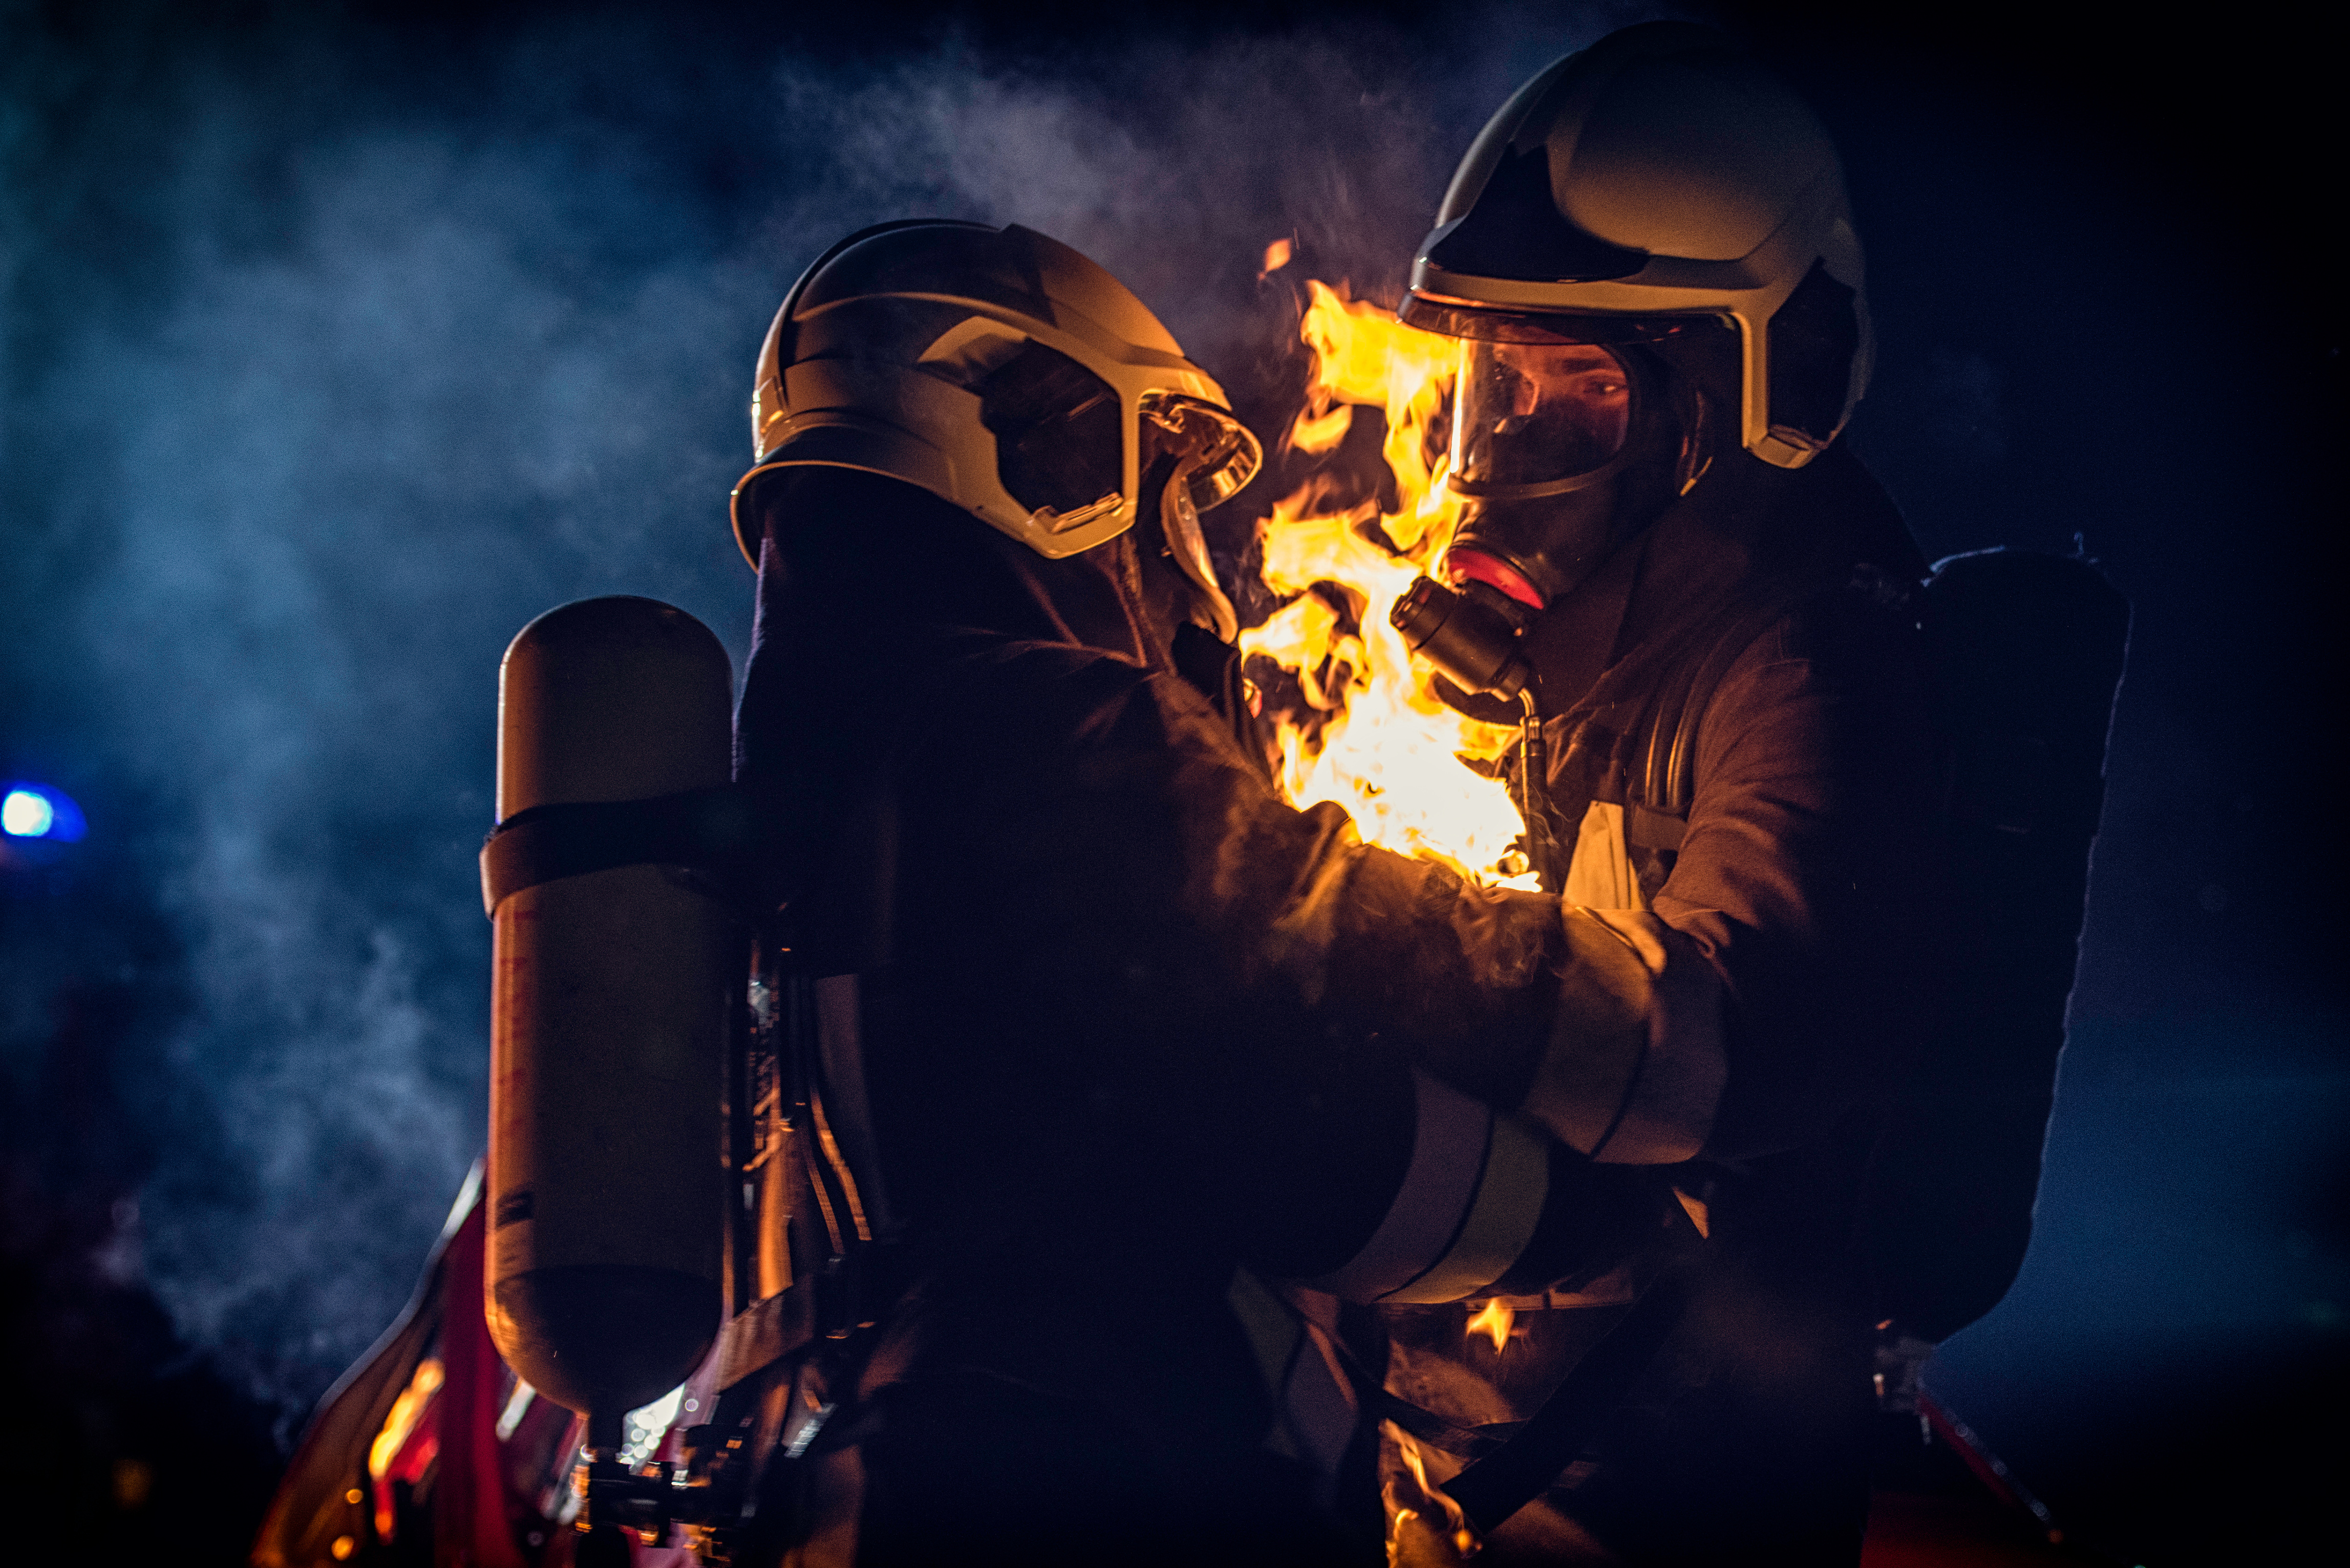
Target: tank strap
{"type": "Point", "coordinates": [763, 1334]}
{"type": "Point", "coordinates": [1676, 717]}
{"type": "Point", "coordinates": [1646, 828]}
{"type": "Point", "coordinates": [1649, 769]}
{"type": "Point", "coordinates": [707, 830]}
{"type": "Point", "coordinates": [1514, 1462]}
{"type": "Point", "coordinates": [1506, 1478]}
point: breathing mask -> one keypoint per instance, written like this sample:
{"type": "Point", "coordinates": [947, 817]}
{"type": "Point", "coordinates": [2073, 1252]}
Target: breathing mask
{"type": "Point", "coordinates": [1561, 449]}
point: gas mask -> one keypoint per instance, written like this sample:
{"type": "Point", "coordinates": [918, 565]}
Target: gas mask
{"type": "Point", "coordinates": [1559, 449]}
{"type": "Point", "coordinates": [1563, 450]}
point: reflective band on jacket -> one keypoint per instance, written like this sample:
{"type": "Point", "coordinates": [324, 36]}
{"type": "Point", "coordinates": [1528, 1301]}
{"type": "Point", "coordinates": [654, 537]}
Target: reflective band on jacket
{"type": "Point", "coordinates": [1499, 1224]}
{"type": "Point", "coordinates": [1465, 1210]}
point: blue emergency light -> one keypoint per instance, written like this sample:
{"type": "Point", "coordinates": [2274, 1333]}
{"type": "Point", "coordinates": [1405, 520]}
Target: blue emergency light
{"type": "Point", "coordinates": [37, 811]}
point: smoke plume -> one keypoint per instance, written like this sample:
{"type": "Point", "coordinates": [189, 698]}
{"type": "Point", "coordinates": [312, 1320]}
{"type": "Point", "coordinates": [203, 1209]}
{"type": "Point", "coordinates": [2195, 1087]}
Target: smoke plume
{"type": "Point", "coordinates": [337, 351]}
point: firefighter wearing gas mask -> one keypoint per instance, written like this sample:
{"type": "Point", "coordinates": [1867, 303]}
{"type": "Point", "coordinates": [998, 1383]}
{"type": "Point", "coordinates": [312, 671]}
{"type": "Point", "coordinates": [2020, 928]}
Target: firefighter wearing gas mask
{"type": "Point", "coordinates": [1116, 1162]}
{"type": "Point", "coordinates": [1093, 1019]}
{"type": "Point", "coordinates": [1648, 259]}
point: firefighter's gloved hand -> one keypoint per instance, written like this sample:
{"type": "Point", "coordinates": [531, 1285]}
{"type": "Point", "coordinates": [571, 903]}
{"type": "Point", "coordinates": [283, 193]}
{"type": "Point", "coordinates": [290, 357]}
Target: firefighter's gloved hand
{"type": "Point", "coordinates": [1635, 1067]}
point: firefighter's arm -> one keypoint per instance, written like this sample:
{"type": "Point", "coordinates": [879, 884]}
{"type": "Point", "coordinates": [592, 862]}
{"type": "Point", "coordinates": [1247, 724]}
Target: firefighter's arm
{"type": "Point", "coordinates": [1601, 1031]}
{"type": "Point", "coordinates": [1523, 1035]}
{"type": "Point", "coordinates": [1601, 1028]}
{"type": "Point", "coordinates": [1635, 1067]}
{"type": "Point", "coordinates": [1555, 1051]}
{"type": "Point", "coordinates": [1808, 869]}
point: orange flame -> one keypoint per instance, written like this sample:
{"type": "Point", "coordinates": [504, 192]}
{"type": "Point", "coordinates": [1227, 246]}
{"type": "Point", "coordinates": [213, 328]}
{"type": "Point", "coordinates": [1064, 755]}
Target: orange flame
{"type": "Point", "coordinates": [407, 1414]}
{"type": "Point", "coordinates": [1493, 1322]}
{"type": "Point", "coordinates": [1403, 1516]}
{"type": "Point", "coordinates": [405, 1411]}
{"type": "Point", "coordinates": [1321, 433]}
{"type": "Point", "coordinates": [1381, 742]}
{"type": "Point", "coordinates": [1276, 256]}
{"type": "Point", "coordinates": [1464, 1540]}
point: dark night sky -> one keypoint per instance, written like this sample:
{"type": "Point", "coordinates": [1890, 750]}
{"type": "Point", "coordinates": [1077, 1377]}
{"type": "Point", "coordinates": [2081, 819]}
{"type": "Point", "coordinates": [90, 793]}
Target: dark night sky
{"type": "Point", "coordinates": [338, 341]}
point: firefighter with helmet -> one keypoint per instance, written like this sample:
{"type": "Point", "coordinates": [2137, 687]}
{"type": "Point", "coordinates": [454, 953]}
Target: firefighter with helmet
{"type": "Point", "coordinates": [1649, 264]}
{"type": "Point", "coordinates": [1124, 1158]}
{"type": "Point", "coordinates": [1100, 1019]}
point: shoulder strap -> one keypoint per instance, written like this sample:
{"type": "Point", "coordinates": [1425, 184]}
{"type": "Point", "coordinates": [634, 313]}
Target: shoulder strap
{"type": "Point", "coordinates": [1669, 761]}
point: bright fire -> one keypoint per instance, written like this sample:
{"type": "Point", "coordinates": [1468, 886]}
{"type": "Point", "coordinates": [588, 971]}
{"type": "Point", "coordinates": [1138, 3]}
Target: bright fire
{"type": "Point", "coordinates": [1493, 1322]}
{"type": "Point", "coordinates": [405, 1412]}
{"type": "Point", "coordinates": [1464, 1540]}
{"type": "Point", "coordinates": [1378, 740]}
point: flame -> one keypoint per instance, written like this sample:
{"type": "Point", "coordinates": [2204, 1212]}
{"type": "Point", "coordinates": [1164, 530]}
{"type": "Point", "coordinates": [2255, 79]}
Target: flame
{"type": "Point", "coordinates": [1321, 433]}
{"type": "Point", "coordinates": [1403, 1516]}
{"type": "Point", "coordinates": [1493, 1322]}
{"type": "Point", "coordinates": [1276, 256]}
{"type": "Point", "coordinates": [1464, 1540]}
{"type": "Point", "coordinates": [405, 1410]}
{"type": "Point", "coordinates": [407, 1414]}
{"type": "Point", "coordinates": [1376, 739]}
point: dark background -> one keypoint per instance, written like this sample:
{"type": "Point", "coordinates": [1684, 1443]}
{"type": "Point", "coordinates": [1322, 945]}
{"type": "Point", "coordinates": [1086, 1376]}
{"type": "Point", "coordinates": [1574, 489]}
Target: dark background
{"type": "Point", "coordinates": [336, 341]}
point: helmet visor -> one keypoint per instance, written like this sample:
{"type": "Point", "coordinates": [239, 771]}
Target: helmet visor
{"type": "Point", "coordinates": [1220, 454]}
{"type": "Point", "coordinates": [1533, 418]}
{"type": "Point", "coordinates": [1215, 455]}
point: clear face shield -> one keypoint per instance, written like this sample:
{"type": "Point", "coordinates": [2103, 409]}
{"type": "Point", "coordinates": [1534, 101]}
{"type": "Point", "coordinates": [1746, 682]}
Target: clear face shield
{"type": "Point", "coordinates": [1537, 419]}
{"type": "Point", "coordinates": [1540, 432]}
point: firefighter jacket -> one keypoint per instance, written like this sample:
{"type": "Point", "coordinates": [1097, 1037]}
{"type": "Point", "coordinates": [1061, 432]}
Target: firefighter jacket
{"type": "Point", "coordinates": [1128, 1020]}
{"type": "Point", "coordinates": [1774, 610]}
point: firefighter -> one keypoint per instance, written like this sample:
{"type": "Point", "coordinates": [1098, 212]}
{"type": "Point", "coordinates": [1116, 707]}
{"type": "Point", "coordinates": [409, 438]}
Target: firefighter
{"type": "Point", "coordinates": [1649, 261]}
{"type": "Point", "coordinates": [1120, 1019]}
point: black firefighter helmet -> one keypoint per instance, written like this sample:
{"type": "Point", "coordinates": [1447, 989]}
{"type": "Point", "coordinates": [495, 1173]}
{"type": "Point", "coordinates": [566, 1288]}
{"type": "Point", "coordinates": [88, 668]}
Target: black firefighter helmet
{"type": "Point", "coordinates": [1659, 181]}
{"type": "Point", "coordinates": [1649, 259]}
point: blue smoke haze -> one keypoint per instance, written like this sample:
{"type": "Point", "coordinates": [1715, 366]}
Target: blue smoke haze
{"type": "Point", "coordinates": [335, 350]}
{"type": "Point", "coordinates": [393, 377]}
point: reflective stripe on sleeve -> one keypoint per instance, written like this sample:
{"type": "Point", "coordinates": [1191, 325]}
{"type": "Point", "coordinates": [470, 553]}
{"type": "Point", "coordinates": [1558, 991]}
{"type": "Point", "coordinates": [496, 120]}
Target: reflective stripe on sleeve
{"type": "Point", "coordinates": [1501, 1222]}
{"type": "Point", "coordinates": [1450, 1137]}
{"type": "Point", "coordinates": [1635, 1066]}
{"type": "Point", "coordinates": [1670, 1105]}
{"type": "Point", "coordinates": [1468, 1205]}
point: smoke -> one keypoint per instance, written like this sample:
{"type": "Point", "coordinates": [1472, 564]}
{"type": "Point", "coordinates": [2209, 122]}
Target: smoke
{"type": "Point", "coordinates": [333, 350]}
{"type": "Point", "coordinates": [334, 353]}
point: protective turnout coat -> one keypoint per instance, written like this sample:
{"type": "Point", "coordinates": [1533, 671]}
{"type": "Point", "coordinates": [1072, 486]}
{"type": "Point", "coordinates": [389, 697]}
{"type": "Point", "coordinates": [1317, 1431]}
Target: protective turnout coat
{"type": "Point", "coordinates": [1774, 610]}
{"type": "Point", "coordinates": [1130, 1022]}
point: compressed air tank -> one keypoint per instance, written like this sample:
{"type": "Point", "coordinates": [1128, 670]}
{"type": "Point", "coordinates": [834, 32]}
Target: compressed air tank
{"type": "Point", "coordinates": [610, 1008]}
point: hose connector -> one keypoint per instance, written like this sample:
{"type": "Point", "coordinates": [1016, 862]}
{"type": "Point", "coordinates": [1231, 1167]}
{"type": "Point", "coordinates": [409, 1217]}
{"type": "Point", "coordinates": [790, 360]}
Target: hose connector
{"type": "Point", "coordinates": [1475, 648]}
